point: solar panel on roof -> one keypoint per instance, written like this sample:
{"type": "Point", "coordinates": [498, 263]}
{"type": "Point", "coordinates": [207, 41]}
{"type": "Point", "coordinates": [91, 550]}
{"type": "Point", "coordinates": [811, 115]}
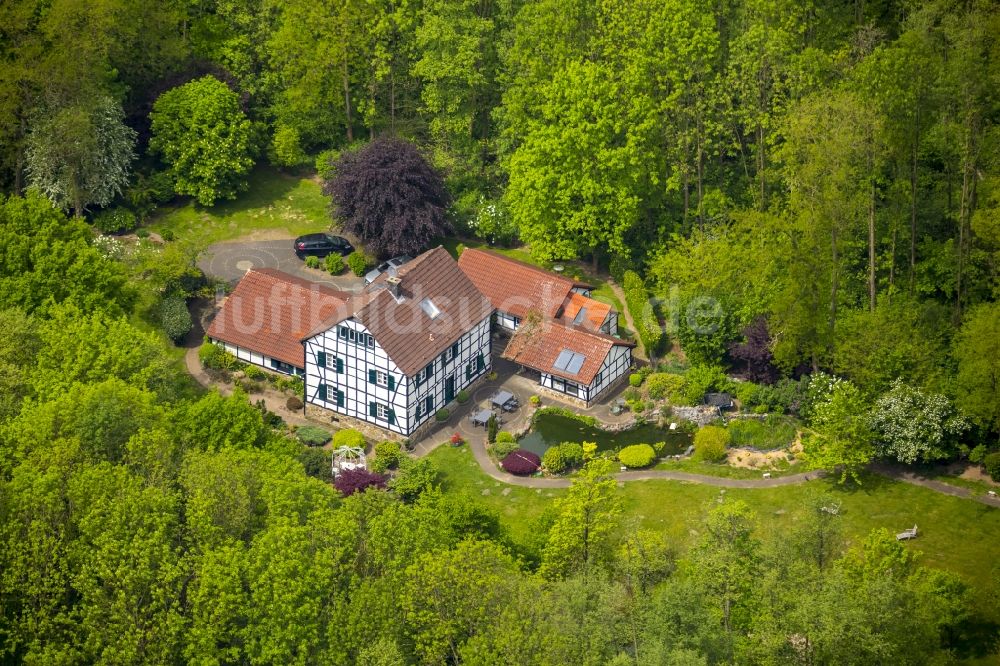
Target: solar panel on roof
{"type": "Point", "coordinates": [562, 361]}
{"type": "Point", "coordinates": [569, 362]}
{"type": "Point", "coordinates": [575, 364]}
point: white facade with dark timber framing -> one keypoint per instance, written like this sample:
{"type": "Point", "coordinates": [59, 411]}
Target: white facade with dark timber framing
{"type": "Point", "coordinates": [403, 349]}
{"type": "Point", "coordinates": [616, 364]}
{"type": "Point", "coordinates": [350, 373]}
{"type": "Point", "coordinates": [551, 315]}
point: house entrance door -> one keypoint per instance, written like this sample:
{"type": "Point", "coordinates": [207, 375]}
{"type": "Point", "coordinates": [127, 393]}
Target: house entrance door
{"type": "Point", "coordinates": [449, 389]}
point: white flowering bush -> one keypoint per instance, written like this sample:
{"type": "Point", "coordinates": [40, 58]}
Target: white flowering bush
{"type": "Point", "coordinates": [493, 223]}
{"type": "Point", "coordinates": [110, 247]}
{"type": "Point", "coordinates": [912, 426]}
{"type": "Point", "coordinates": [819, 391]}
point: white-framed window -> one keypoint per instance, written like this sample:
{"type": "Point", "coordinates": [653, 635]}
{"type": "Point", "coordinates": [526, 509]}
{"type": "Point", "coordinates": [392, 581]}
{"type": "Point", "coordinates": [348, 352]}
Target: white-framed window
{"type": "Point", "coordinates": [470, 367]}
{"type": "Point", "coordinates": [371, 340]}
{"type": "Point", "coordinates": [381, 378]}
{"type": "Point", "coordinates": [381, 411]}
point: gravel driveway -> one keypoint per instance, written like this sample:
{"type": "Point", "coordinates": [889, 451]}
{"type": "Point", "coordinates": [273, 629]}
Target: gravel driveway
{"type": "Point", "coordinates": [230, 260]}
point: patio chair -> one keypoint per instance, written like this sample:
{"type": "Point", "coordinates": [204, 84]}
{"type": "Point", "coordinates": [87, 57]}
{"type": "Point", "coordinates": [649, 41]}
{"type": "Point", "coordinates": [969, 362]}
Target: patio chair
{"type": "Point", "coordinates": [907, 534]}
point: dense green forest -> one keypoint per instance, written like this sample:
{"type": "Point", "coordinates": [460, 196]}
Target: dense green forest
{"type": "Point", "coordinates": [794, 187]}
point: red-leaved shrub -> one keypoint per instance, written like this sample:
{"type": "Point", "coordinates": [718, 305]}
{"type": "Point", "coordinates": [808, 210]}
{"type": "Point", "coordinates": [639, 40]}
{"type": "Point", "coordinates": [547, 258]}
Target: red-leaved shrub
{"type": "Point", "coordinates": [351, 481]}
{"type": "Point", "coordinates": [521, 462]}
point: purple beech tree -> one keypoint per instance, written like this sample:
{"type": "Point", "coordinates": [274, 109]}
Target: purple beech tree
{"type": "Point", "coordinates": [389, 195]}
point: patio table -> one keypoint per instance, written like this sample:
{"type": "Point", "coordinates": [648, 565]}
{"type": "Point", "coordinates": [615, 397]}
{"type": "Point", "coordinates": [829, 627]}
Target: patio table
{"type": "Point", "coordinates": [481, 417]}
{"type": "Point", "coordinates": [502, 398]}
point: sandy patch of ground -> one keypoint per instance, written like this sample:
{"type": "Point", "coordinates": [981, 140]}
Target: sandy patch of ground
{"type": "Point", "coordinates": [758, 460]}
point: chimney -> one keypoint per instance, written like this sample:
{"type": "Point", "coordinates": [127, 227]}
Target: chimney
{"type": "Point", "coordinates": [393, 283]}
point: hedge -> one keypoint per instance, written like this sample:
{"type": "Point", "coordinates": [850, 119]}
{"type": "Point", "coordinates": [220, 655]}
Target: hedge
{"type": "Point", "coordinates": [521, 462]}
{"type": "Point", "coordinates": [115, 220]}
{"type": "Point", "coordinates": [637, 455]}
{"type": "Point", "coordinates": [637, 300]}
{"type": "Point", "coordinates": [992, 464]}
{"type": "Point", "coordinates": [175, 318]}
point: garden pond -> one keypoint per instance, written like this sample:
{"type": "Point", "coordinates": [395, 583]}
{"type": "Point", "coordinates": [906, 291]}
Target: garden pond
{"type": "Point", "coordinates": [551, 429]}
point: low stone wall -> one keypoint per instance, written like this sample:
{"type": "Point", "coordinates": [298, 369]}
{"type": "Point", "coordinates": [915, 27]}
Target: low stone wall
{"type": "Point", "coordinates": [702, 414]}
{"type": "Point", "coordinates": [331, 419]}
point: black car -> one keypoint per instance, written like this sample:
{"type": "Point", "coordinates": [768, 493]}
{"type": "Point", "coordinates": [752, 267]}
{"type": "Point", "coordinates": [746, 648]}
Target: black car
{"type": "Point", "coordinates": [320, 245]}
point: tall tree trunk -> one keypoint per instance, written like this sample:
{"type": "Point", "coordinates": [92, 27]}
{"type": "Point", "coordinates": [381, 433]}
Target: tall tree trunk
{"type": "Point", "coordinates": [347, 101]}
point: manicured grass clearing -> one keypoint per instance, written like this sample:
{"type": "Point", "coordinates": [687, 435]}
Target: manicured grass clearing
{"type": "Point", "coordinates": [956, 534]}
{"type": "Point", "coordinates": [275, 201]}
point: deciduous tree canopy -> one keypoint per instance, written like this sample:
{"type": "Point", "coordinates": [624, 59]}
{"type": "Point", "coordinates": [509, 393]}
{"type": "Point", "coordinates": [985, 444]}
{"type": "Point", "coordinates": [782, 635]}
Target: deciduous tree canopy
{"type": "Point", "coordinates": [389, 195]}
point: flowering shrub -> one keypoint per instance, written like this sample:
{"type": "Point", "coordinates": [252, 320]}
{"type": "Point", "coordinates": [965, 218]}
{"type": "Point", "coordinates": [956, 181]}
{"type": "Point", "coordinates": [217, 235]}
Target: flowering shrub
{"type": "Point", "coordinates": [109, 247]}
{"type": "Point", "coordinates": [637, 455]}
{"type": "Point", "coordinates": [521, 462]}
{"type": "Point", "coordinates": [351, 481]}
{"type": "Point", "coordinates": [492, 223]}
{"type": "Point", "coordinates": [456, 439]}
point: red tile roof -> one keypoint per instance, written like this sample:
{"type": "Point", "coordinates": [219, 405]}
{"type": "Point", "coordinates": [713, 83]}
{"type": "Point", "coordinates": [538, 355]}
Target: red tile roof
{"type": "Point", "coordinates": [401, 326]}
{"type": "Point", "coordinates": [594, 314]}
{"type": "Point", "coordinates": [270, 311]}
{"type": "Point", "coordinates": [538, 343]}
{"type": "Point", "coordinates": [513, 286]}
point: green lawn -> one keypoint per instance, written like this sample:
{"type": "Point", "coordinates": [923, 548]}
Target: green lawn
{"type": "Point", "coordinates": [956, 534]}
{"type": "Point", "coordinates": [275, 202]}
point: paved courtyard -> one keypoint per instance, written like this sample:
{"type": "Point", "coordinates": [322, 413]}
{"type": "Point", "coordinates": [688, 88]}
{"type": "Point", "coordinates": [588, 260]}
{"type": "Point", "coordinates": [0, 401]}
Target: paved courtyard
{"type": "Point", "coordinates": [230, 260]}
